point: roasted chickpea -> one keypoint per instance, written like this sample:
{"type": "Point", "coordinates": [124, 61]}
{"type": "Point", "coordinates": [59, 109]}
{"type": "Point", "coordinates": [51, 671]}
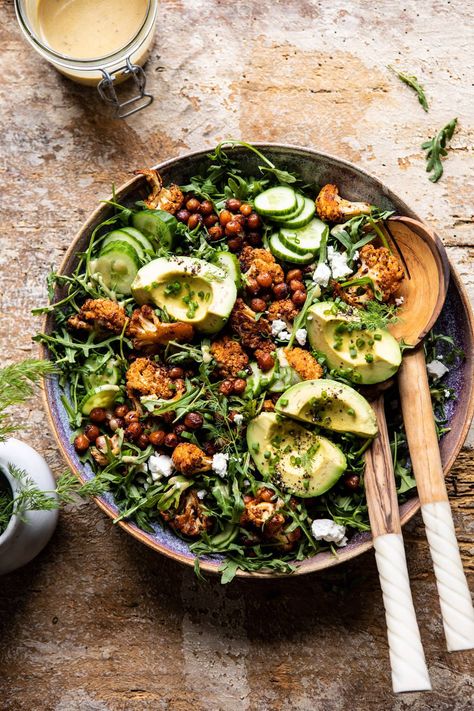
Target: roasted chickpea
{"type": "Point", "coordinates": [183, 215]}
{"type": "Point", "coordinates": [233, 204]}
{"type": "Point", "coordinates": [265, 361]}
{"type": "Point", "coordinates": [224, 217]}
{"type": "Point", "coordinates": [226, 387]}
{"type": "Point", "coordinates": [168, 417]}
{"type": "Point", "coordinates": [98, 415]}
{"type": "Point", "coordinates": [258, 305]}
{"type": "Point", "coordinates": [91, 432]}
{"type": "Point", "coordinates": [157, 438]}
{"type": "Point", "coordinates": [193, 205]}
{"type": "Point", "coordinates": [254, 238]}
{"type": "Point", "coordinates": [352, 482]}
{"type": "Point", "coordinates": [130, 417]}
{"type": "Point", "coordinates": [134, 430]}
{"type": "Point", "coordinates": [194, 221]}
{"type": "Point", "coordinates": [121, 410]}
{"type": "Point", "coordinates": [298, 298]}
{"type": "Point", "coordinates": [280, 290]}
{"type": "Point", "coordinates": [245, 209]}
{"type": "Point", "coordinates": [235, 244]}
{"type": "Point", "coordinates": [143, 441]}
{"type": "Point", "coordinates": [116, 423]}
{"type": "Point", "coordinates": [253, 221]}
{"type": "Point", "coordinates": [233, 228]}
{"type": "Point", "coordinates": [81, 443]}
{"type": "Point", "coordinates": [294, 274]}
{"type": "Point", "coordinates": [211, 220]}
{"type": "Point", "coordinates": [215, 233]}
{"type": "Point", "coordinates": [206, 207]}
{"type": "Point", "coordinates": [179, 429]}
{"type": "Point", "coordinates": [171, 440]}
{"type": "Point", "coordinates": [239, 386]}
{"type": "Point", "coordinates": [176, 372]}
{"type": "Point", "coordinates": [239, 218]}
{"type": "Point", "coordinates": [265, 280]}
{"type": "Point", "coordinates": [209, 448]}
{"type": "Point", "coordinates": [296, 285]}
{"type": "Point", "coordinates": [252, 286]}
{"type": "Point", "coordinates": [193, 421]}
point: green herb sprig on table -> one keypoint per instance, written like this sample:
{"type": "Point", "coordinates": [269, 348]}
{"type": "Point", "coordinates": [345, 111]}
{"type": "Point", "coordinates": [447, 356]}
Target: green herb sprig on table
{"type": "Point", "coordinates": [436, 149]}
{"type": "Point", "coordinates": [411, 81]}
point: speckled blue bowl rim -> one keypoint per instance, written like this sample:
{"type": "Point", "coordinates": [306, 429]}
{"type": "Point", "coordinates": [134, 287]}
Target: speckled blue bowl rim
{"type": "Point", "coordinates": [456, 319]}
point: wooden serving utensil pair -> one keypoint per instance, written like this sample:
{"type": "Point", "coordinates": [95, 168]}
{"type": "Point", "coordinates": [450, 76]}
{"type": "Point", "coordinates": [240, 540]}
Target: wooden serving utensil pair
{"type": "Point", "coordinates": [423, 290]}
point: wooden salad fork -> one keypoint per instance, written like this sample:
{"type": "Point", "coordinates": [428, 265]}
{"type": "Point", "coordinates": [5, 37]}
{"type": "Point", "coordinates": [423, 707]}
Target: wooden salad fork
{"type": "Point", "coordinates": [424, 290]}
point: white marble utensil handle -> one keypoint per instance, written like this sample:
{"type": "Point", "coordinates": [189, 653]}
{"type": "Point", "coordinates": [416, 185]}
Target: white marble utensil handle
{"type": "Point", "coordinates": [454, 596]}
{"type": "Point", "coordinates": [407, 659]}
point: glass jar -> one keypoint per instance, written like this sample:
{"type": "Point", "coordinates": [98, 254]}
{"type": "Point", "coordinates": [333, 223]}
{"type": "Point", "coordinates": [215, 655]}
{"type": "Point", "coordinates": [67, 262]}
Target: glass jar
{"type": "Point", "coordinates": [103, 72]}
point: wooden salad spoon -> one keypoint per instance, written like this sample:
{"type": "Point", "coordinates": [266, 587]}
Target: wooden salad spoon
{"type": "Point", "coordinates": [424, 291]}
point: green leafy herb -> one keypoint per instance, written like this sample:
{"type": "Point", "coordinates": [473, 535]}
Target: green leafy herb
{"type": "Point", "coordinates": [436, 148]}
{"type": "Point", "coordinates": [411, 81]}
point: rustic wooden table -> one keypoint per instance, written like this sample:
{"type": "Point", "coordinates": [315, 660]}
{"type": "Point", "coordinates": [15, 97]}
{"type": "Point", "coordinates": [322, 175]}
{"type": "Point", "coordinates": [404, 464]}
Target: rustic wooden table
{"type": "Point", "coordinates": [98, 622]}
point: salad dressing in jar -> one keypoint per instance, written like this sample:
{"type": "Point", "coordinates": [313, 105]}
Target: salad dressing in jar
{"type": "Point", "coordinates": [95, 42]}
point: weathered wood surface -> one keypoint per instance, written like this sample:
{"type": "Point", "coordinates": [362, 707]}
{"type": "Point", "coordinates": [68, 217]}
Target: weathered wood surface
{"type": "Point", "coordinates": [98, 622]}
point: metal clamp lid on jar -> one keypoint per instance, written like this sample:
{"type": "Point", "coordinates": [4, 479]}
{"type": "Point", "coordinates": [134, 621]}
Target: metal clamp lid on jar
{"type": "Point", "coordinates": [107, 91]}
{"type": "Point", "coordinates": [109, 70]}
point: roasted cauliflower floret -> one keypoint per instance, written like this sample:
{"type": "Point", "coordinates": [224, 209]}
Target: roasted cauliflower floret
{"type": "Point", "coordinates": [284, 310]}
{"type": "Point", "coordinates": [263, 513]}
{"type": "Point", "coordinates": [190, 459]}
{"type": "Point", "coordinates": [385, 271]}
{"type": "Point", "coordinates": [169, 199]}
{"type": "Point", "coordinates": [253, 333]}
{"type": "Point", "coordinates": [148, 333]}
{"type": "Point", "coordinates": [145, 377]}
{"type": "Point", "coordinates": [229, 356]}
{"type": "Point", "coordinates": [304, 363]}
{"type": "Point", "coordinates": [260, 261]}
{"type": "Point", "coordinates": [190, 519]}
{"type": "Point", "coordinates": [102, 315]}
{"type": "Point", "coordinates": [332, 207]}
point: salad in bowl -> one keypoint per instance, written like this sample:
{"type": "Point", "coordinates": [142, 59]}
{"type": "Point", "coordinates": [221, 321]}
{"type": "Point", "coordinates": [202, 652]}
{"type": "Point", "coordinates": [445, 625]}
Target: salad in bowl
{"type": "Point", "coordinates": [216, 342]}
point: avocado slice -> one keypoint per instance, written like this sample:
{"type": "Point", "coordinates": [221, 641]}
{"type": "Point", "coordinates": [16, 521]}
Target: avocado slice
{"type": "Point", "coordinates": [369, 356]}
{"type": "Point", "coordinates": [329, 404]}
{"type": "Point", "coordinates": [291, 456]}
{"type": "Point", "coordinates": [190, 289]}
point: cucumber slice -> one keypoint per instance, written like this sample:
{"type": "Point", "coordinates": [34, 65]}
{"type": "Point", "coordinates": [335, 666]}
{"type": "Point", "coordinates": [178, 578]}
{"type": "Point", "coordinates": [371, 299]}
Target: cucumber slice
{"type": "Point", "coordinates": [122, 236]}
{"type": "Point", "coordinates": [303, 217]}
{"type": "Point", "coordinates": [144, 241]}
{"type": "Point", "coordinates": [276, 201]}
{"type": "Point", "coordinates": [118, 266]}
{"type": "Point", "coordinates": [305, 239]}
{"type": "Point", "coordinates": [101, 396]}
{"type": "Point", "coordinates": [230, 264]}
{"type": "Point", "coordinates": [297, 211]}
{"type": "Point", "coordinates": [100, 372]}
{"type": "Point", "coordinates": [157, 225]}
{"type": "Point", "coordinates": [279, 250]}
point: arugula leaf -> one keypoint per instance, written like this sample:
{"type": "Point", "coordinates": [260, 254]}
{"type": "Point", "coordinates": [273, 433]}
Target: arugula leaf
{"type": "Point", "coordinates": [411, 81]}
{"type": "Point", "coordinates": [436, 148]}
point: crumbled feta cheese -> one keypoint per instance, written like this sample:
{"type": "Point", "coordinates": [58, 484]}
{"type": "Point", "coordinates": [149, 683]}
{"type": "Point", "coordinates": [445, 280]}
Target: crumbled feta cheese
{"type": "Point", "coordinates": [219, 464]}
{"type": "Point", "coordinates": [325, 529]}
{"type": "Point", "coordinates": [322, 274]}
{"type": "Point", "coordinates": [436, 369]}
{"type": "Point", "coordinates": [447, 393]}
{"type": "Point", "coordinates": [238, 418]}
{"type": "Point", "coordinates": [399, 301]}
{"type": "Point", "coordinates": [338, 263]}
{"type": "Point", "coordinates": [301, 335]}
{"type": "Point", "coordinates": [284, 336]}
{"type": "Point", "coordinates": [246, 482]}
{"type": "Point", "coordinates": [159, 466]}
{"type": "Point", "coordinates": [278, 326]}
{"type": "Point", "coordinates": [201, 493]}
